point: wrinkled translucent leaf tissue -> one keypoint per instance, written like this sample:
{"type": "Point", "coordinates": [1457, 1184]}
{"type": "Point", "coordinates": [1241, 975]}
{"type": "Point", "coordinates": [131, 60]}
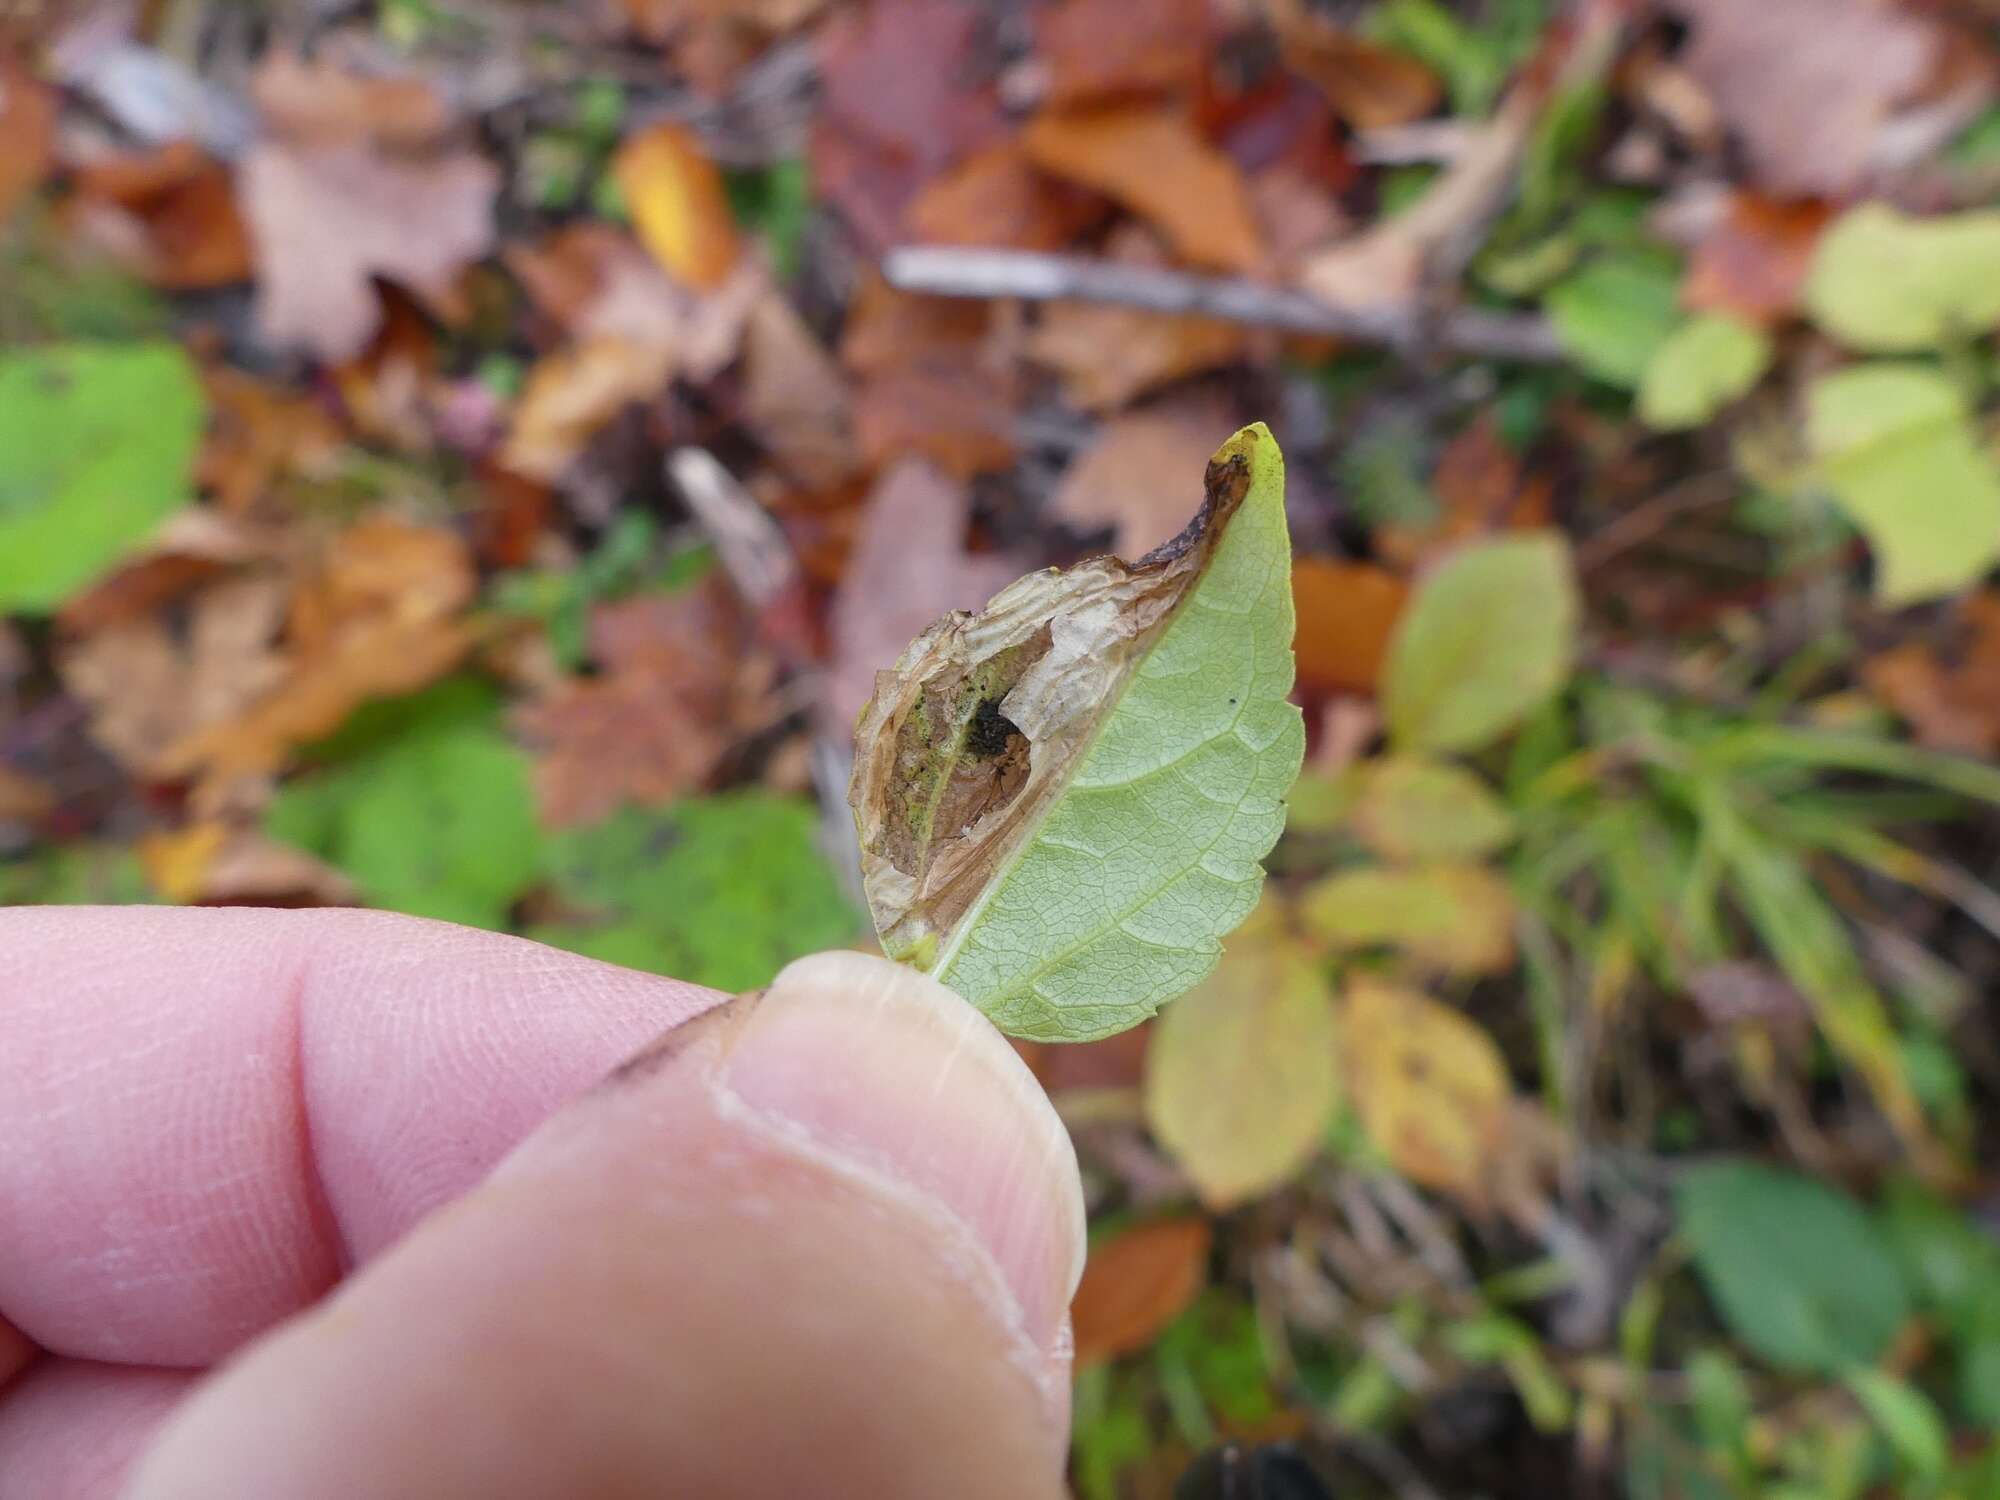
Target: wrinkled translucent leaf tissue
{"type": "Point", "coordinates": [1064, 800]}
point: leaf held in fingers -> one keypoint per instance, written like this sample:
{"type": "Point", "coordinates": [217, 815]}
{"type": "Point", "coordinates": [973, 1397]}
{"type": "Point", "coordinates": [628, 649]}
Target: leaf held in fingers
{"type": "Point", "coordinates": [1062, 801]}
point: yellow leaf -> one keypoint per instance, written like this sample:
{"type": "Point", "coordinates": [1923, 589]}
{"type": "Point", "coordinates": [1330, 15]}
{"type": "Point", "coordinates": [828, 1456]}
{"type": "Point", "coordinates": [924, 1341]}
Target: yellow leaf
{"type": "Point", "coordinates": [1429, 1085]}
{"type": "Point", "coordinates": [678, 205]}
{"type": "Point", "coordinates": [176, 864]}
{"type": "Point", "coordinates": [1456, 917]}
{"type": "Point", "coordinates": [1240, 1074]}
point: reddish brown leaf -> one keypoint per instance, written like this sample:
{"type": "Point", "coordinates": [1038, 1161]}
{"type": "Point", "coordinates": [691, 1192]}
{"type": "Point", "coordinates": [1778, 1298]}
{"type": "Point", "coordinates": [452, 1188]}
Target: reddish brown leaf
{"type": "Point", "coordinates": [1346, 612]}
{"type": "Point", "coordinates": [1808, 84]}
{"type": "Point", "coordinates": [1951, 696]}
{"type": "Point", "coordinates": [1149, 158]}
{"type": "Point", "coordinates": [1368, 85]}
{"type": "Point", "coordinates": [888, 123]}
{"type": "Point", "coordinates": [169, 213]}
{"type": "Point", "coordinates": [1481, 488]}
{"type": "Point", "coordinates": [959, 417]}
{"type": "Point", "coordinates": [326, 101]}
{"type": "Point", "coordinates": [1141, 475]}
{"type": "Point", "coordinates": [795, 398]}
{"type": "Point", "coordinates": [1753, 263]}
{"type": "Point", "coordinates": [1094, 49]}
{"type": "Point", "coordinates": [27, 131]}
{"type": "Point", "coordinates": [996, 197]}
{"type": "Point", "coordinates": [258, 435]}
{"type": "Point", "coordinates": [1135, 1284]}
{"type": "Point", "coordinates": [679, 686]}
{"type": "Point", "coordinates": [887, 329]}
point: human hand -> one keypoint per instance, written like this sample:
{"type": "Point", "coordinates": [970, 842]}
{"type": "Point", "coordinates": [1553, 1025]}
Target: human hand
{"type": "Point", "coordinates": [820, 1243]}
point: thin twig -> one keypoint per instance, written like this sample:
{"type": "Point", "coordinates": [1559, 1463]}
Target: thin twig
{"type": "Point", "coordinates": [958, 271]}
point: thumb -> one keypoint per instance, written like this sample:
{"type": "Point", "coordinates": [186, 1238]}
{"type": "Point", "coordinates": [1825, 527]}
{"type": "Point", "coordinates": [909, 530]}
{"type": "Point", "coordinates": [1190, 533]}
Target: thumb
{"type": "Point", "coordinates": [820, 1241]}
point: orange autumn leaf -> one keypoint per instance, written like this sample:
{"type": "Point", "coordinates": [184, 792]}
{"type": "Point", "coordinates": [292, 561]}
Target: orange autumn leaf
{"type": "Point", "coordinates": [1149, 158]}
{"type": "Point", "coordinates": [1752, 264]}
{"type": "Point", "coordinates": [997, 197]}
{"type": "Point", "coordinates": [1097, 49]}
{"type": "Point", "coordinates": [1368, 85]}
{"type": "Point", "coordinates": [1135, 1284]}
{"type": "Point", "coordinates": [1950, 693]}
{"type": "Point", "coordinates": [183, 206]}
{"type": "Point", "coordinates": [678, 205]}
{"type": "Point", "coordinates": [1346, 611]}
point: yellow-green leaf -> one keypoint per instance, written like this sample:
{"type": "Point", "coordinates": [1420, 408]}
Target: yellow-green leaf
{"type": "Point", "coordinates": [1063, 801]}
{"type": "Point", "coordinates": [1410, 809]}
{"type": "Point", "coordinates": [1707, 363]}
{"type": "Point", "coordinates": [1240, 1072]}
{"type": "Point", "coordinates": [1886, 282]}
{"type": "Point", "coordinates": [1456, 917]}
{"type": "Point", "coordinates": [1488, 636]}
{"type": "Point", "coordinates": [1896, 446]}
{"type": "Point", "coordinates": [1429, 1085]}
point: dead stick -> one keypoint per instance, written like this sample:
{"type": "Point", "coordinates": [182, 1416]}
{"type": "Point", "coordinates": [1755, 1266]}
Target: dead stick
{"type": "Point", "coordinates": [955, 271]}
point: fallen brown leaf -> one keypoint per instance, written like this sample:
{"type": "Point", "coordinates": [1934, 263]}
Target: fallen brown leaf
{"type": "Point", "coordinates": [1808, 84]}
{"type": "Point", "coordinates": [961, 417]}
{"type": "Point", "coordinates": [1369, 86]}
{"type": "Point", "coordinates": [331, 100]}
{"type": "Point", "coordinates": [1096, 49]}
{"type": "Point", "coordinates": [571, 394]}
{"type": "Point", "coordinates": [1149, 158]}
{"type": "Point", "coordinates": [1753, 263]}
{"type": "Point", "coordinates": [677, 202]}
{"type": "Point", "coordinates": [1134, 1284]}
{"type": "Point", "coordinates": [908, 568]}
{"type": "Point", "coordinates": [1346, 612]}
{"type": "Point", "coordinates": [1481, 487]}
{"type": "Point", "coordinates": [1141, 474]}
{"type": "Point", "coordinates": [796, 399]}
{"type": "Point", "coordinates": [168, 213]}
{"type": "Point", "coordinates": [997, 197]}
{"type": "Point", "coordinates": [219, 863]}
{"type": "Point", "coordinates": [887, 329]}
{"type": "Point", "coordinates": [1950, 696]}
{"type": "Point", "coordinates": [258, 435]}
{"type": "Point", "coordinates": [27, 130]}
{"type": "Point", "coordinates": [678, 687]}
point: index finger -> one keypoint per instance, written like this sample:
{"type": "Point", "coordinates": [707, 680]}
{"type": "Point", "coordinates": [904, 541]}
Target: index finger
{"type": "Point", "coordinates": [206, 1116]}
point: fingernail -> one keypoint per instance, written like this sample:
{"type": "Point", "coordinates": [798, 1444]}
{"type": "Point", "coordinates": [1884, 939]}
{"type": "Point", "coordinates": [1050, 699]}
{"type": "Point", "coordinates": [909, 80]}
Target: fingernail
{"type": "Point", "coordinates": [886, 1072]}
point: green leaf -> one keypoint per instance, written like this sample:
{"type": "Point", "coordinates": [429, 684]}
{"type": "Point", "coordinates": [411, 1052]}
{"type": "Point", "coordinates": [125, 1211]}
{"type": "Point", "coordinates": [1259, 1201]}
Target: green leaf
{"type": "Point", "coordinates": [1707, 363]}
{"type": "Point", "coordinates": [1412, 810]}
{"type": "Point", "coordinates": [1615, 313]}
{"type": "Point", "coordinates": [1240, 1071]}
{"type": "Point", "coordinates": [1063, 801]}
{"type": "Point", "coordinates": [1486, 638]}
{"type": "Point", "coordinates": [1797, 1270]}
{"type": "Point", "coordinates": [1458, 917]}
{"type": "Point", "coordinates": [1906, 1418]}
{"type": "Point", "coordinates": [95, 448]}
{"type": "Point", "coordinates": [1896, 446]}
{"type": "Point", "coordinates": [1888, 283]}
{"type": "Point", "coordinates": [722, 891]}
{"type": "Point", "coordinates": [436, 821]}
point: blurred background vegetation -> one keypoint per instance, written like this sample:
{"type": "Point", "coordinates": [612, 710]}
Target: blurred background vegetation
{"type": "Point", "coordinates": [471, 458]}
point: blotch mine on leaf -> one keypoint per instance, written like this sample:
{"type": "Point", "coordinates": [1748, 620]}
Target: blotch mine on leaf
{"type": "Point", "coordinates": [1062, 799]}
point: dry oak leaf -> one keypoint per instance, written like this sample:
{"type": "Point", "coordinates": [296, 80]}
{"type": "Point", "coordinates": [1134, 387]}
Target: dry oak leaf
{"type": "Point", "coordinates": [1807, 85]}
{"type": "Point", "coordinates": [379, 616]}
{"type": "Point", "coordinates": [1346, 614]}
{"type": "Point", "coordinates": [1140, 476]}
{"type": "Point", "coordinates": [679, 687]}
{"type": "Point", "coordinates": [325, 220]}
{"type": "Point", "coordinates": [169, 213]}
{"type": "Point", "coordinates": [149, 687]}
{"type": "Point", "coordinates": [1134, 1284]}
{"type": "Point", "coordinates": [1429, 1085]}
{"type": "Point", "coordinates": [1150, 159]}
{"type": "Point", "coordinates": [678, 205]}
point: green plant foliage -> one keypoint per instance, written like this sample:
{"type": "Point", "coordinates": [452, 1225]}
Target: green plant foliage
{"type": "Point", "coordinates": [1117, 901]}
{"type": "Point", "coordinates": [1707, 363]}
{"type": "Point", "coordinates": [430, 812]}
{"type": "Point", "coordinates": [1896, 446]}
{"type": "Point", "coordinates": [722, 891]}
{"type": "Point", "coordinates": [1888, 283]}
{"type": "Point", "coordinates": [75, 875]}
{"type": "Point", "coordinates": [1488, 636]}
{"type": "Point", "coordinates": [1797, 1270]}
{"type": "Point", "coordinates": [1615, 314]}
{"type": "Point", "coordinates": [95, 448]}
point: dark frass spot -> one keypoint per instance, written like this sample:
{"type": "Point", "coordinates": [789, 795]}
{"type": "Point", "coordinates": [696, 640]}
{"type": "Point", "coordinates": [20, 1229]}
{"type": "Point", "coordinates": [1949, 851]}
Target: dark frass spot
{"type": "Point", "coordinates": [990, 730]}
